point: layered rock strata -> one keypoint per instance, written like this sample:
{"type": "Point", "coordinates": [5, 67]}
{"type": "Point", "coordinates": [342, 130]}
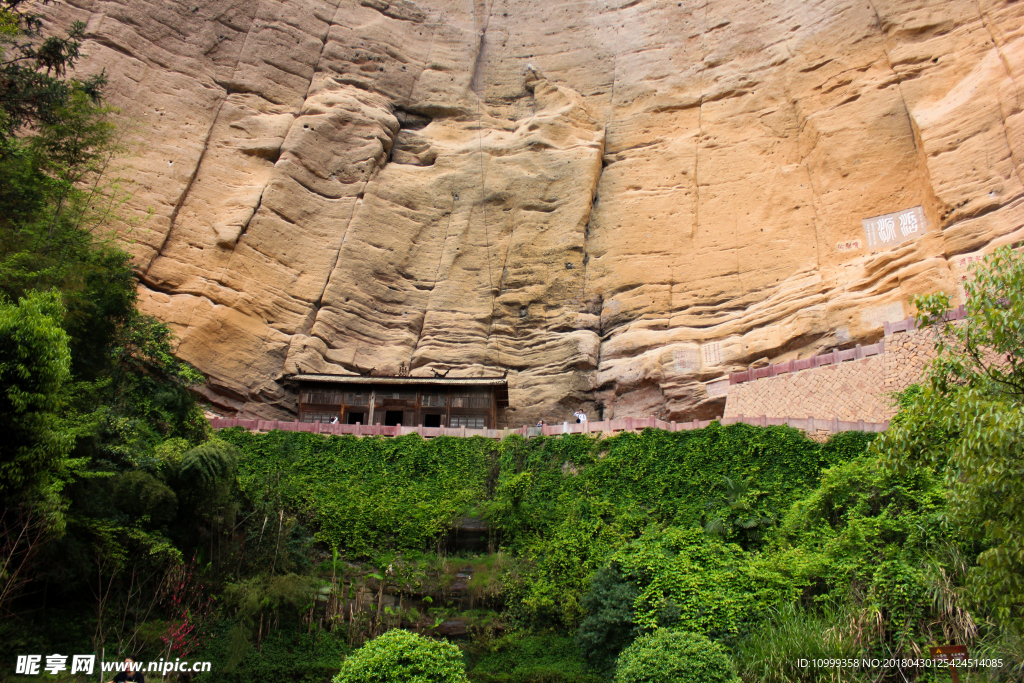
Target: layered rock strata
{"type": "Point", "coordinates": [614, 201]}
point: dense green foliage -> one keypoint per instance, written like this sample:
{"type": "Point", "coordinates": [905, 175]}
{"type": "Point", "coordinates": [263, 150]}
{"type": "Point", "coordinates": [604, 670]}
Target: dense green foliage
{"type": "Point", "coordinates": [95, 535]}
{"type": "Point", "coordinates": [867, 531]}
{"type": "Point", "coordinates": [283, 656]}
{"type": "Point", "coordinates": [968, 420]}
{"type": "Point", "coordinates": [693, 581]}
{"type": "Point", "coordinates": [609, 625]}
{"type": "Point", "coordinates": [402, 657]}
{"type": "Point", "coordinates": [367, 495]}
{"type": "Point", "coordinates": [126, 529]}
{"type": "Point", "coordinates": [867, 552]}
{"type": "Point", "coordinates": [34, 367]}
{"type": "Point", "coordinates": [678, 656]}
{"type": "Point", "coordinates": [623, 504]}
{"type": "Point", "coordinates": [568, 526]}
{"type": "Point", "coordinates": [524, 657]}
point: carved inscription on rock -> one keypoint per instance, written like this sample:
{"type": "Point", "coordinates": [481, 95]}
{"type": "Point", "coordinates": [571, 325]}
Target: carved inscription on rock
{"type": "Point", "coordinates": [712, 353]}
{"type": "Point", "coordinates": [894, 228]}
{"type": "Point", "coordinates": [876, 316]}
{"type": "Point", "coordinates": [686, 360]}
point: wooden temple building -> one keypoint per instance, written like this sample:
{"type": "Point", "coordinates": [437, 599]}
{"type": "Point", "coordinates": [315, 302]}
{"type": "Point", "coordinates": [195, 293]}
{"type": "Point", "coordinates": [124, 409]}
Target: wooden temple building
{"type": "Point", "coordinates": [471, 402]}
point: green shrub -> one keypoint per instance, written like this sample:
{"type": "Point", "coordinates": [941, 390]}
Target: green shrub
{"type": "Point", "coordinates": [967, 421]}
{"type": "Point", "coordinates": [566, 522]}
{"type": "Point", "coordinates": [867, 537]}
{"type": "Point", "coordinates": [693, 581]}
{"type": "Point", "coordinates": [365, 495]}
{"type": "Point", "coordinates": [608, 627]}
{"type": "Point", "coordinates": [403, 657]}
{"type": "Point", "coordinates": [675, 656]}
{"type": "Point", "coordinates": [285, 655]}
{"type": "Point", "coordinates": [34, 367]}
{"type": "Point", "coordinates": [139, 494]}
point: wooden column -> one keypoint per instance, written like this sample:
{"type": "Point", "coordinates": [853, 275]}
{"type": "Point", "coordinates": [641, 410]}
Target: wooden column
{"type": "Point", "coordinates": [373, 401]}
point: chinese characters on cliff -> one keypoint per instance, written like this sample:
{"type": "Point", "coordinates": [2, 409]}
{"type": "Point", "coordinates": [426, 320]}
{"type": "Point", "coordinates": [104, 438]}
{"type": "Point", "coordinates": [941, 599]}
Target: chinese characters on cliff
{"type": "Point", "coordinates": [894, 228]}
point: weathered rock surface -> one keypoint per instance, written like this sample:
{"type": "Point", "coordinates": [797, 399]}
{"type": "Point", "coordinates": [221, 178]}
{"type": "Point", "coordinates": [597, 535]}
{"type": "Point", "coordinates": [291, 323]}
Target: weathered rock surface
{"type": "Point", "coordinates": [613, 200]}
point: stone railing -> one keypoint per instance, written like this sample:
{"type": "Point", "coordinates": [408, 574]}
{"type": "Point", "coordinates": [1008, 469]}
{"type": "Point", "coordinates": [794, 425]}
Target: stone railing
{"type": "Point", "coordinates": [835, 357]}
{"type": "Point", "coordinates": [812, 426]}
{"type": "Point", "coordinates": [910, 324]}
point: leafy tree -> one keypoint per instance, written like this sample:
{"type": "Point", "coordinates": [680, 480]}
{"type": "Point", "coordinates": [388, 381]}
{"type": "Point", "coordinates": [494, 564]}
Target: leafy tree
{"type": "Point", "coordinates": [693, 581]}
{"type": "Point", "coordinates": [151, 384]}
{"type": "Point", "coordinates": [204, 480]}
{"type": "Point", "coordinates": [52, 207]}
{"type": "Point", "coordinates": [204, 468]}
{"type": "Point", "coordinates": [34, 366]}
{"type": "Point", "coordinates": [968, 419]}
{"type": "Point", "coordinates": [32, 68]}
{"type": "Point", "coordinates": [142, 496]}
{"type": "Point", "coordinates": [89, 387]}
{"type": "Point", "coordinates": [675, 656]}
{"type": "Point", "coordinates": [403, 657]}
{"type": "Point", "coordinates": [736, 516]}
{"type": "Point", "coordinates": [260, 601]}
{"type": "Point", "coordinates": [867, 539]}
{"type": "Point", "coordinates": [608, 627]}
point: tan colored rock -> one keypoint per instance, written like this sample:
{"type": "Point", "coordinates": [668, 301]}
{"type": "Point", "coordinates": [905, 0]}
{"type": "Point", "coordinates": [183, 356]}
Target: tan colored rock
{"type": "Point", "coordinates": [615, 201]}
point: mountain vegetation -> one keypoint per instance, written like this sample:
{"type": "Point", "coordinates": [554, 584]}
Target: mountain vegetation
{"type": "Point", "coordinates": [128, 528]}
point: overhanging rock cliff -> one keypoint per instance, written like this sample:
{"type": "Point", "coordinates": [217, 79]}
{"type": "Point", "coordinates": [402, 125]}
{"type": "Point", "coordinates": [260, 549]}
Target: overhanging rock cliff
{"type": "Point", "coordinates": [613, 201]}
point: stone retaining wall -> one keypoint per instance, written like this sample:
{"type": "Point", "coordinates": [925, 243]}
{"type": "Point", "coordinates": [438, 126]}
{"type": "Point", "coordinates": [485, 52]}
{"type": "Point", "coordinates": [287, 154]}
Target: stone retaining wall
{"type": "Point", "coordinates": [849, 391]}
{"type": "Point", "coordinates": [906, 356]}
{"type": "Point", "coordinates": [858, 389]}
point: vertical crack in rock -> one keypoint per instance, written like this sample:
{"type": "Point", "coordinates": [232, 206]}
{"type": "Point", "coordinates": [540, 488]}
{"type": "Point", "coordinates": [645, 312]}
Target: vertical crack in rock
{"type": "Point", "coordinates": [700, 111]}
{"type": "Point", "coordinates": [922, 157]}
{"type": "Point", "coordinates": [476, 85]}
{"type": "Point", "coordinates": [999, 50]}
{"type": "Point", "coordinates": [323, 47]}
{"type": "Point", "coordinates": [888, 60]}
{"type": "Point", "coordinates": [599, 172]}
{"type": "Point", "coordinates": [344, 234]}
{"type": "Point", "coordinates": [810, 179]}
{"type": "Point", "coordinates": [1009, 74]}
{"type": "Point", "coordinates": [382, 161]}
{"type": "Point", "coordinates": [437, 274]}
{"type": "Point", "coordinates": [245, 228]}
{"type": "Point", "coordinates": [430, 51]}
{"type": "Point", "coordinates": [476, 81]}
{"type": "Point", "coordinates": [337, 255]}
{"type": "Point", "coordinates": [173, 218]}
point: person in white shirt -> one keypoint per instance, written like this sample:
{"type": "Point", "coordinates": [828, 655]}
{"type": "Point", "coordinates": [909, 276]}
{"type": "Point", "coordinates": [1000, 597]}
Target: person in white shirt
{"type": "Point", "coordinates": [582, 416]}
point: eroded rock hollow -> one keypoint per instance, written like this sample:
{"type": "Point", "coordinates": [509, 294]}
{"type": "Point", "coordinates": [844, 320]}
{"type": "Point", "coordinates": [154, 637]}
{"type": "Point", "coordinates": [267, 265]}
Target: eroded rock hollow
{"type": "Point", "coordinates": [612, 201]}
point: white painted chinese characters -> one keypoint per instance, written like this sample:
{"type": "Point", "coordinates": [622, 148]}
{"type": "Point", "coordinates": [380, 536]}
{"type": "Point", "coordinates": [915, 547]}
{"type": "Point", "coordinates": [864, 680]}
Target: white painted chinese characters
{"type": "Point", "coordinates": [894, 228]}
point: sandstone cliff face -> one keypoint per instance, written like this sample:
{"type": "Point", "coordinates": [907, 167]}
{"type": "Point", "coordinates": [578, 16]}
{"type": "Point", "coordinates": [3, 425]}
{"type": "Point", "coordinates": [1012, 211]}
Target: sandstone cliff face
{"type": "Point", "coordinates": [614, 200]}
